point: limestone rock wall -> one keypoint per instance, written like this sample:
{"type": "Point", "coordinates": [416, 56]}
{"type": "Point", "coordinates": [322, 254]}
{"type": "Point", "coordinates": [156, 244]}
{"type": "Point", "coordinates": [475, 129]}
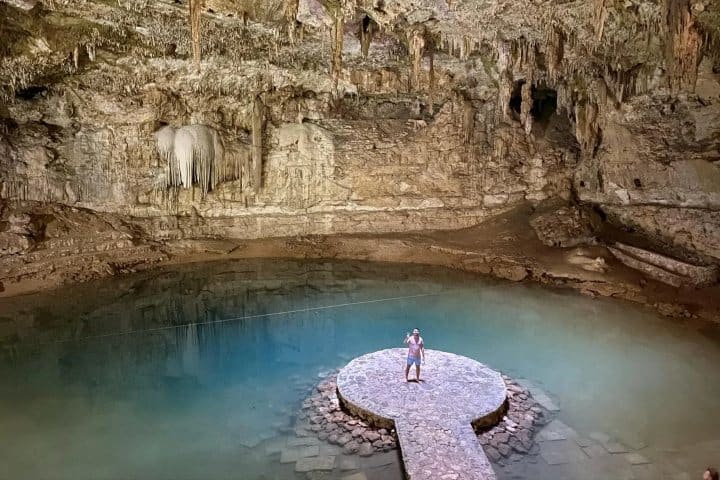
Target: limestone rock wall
{"type": "Point", "coordinates": [322, 171]}
{"type": "Point", "coordinates": [657, 169]}
{"type": "Point", "coordinates": [347, 116]}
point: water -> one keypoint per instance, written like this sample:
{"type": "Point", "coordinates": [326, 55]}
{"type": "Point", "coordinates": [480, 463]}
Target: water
{"type": "Point", "coordinates": [191, 372]}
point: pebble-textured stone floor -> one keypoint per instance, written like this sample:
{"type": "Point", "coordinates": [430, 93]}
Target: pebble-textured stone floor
{"type": "Point", "coordinates": [433, 418]}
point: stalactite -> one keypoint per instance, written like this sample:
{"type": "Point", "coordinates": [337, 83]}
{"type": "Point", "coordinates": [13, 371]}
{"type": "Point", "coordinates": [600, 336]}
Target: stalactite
{"type": "Point", "coordinates": [499, 148]}
{"type": "Point", "coordinates": [468, 121]}
{"type": "Point", "coordinates": [246, 180]}
{"type": "Point", "coordinates": [168, 197]}
{"type": "Point", "coordinates": [586, 127]}
{"type": "Point", "coordinates": [505, 93]}
{"type": "Point", "coordinates": [503, 56]}
{"type": "Point", "coordinates": [338, 32]}
{"type": "Point", "coordinates": [526, 105]}
{"type": "Point", "coordinates": [258, 121]}
{"type": "Point", "coordinates": [460, 46]}
{"type": "Point", "coordinates": [195, 11]}
{"type": "Point", "coordinates": [16, 189]}
{"type": "Point", "coordinates": [165, 142]}
{"type": "Point", "coordinates": [505, 87]}
{"type": "Point", "coordinates": [416, 44]}
{"type": "Point", "coordinates": [683, 44]}
{"type": "Point", "coordinates": [431, 82]}
{"type": "Point", "coordinates": [207, 155]}
{"type": "Point", "coordinates": [599, 19]}
{"type": "Point", "coordinates": [526, 52]}
{"type": "Point", "coordinates": [555, 48]}
{"type": "Point", "coordinates": [291, 11]}
{"type": "Point", "coordinates": [90, 48]}
{"type": "Point", "coordinates": [276, 44]}
{"type": "Point", "coordinates": [232, 168]}
{"type": "Point", "coordinates": [194, 154]}
{"type": "Point", "coordinates": [528, 63]}
{"type": "Point", "coordinates": [564, 98]}
{"type": "Point", "coordinates": [183, 151]}
{"type": "Point", "coordinates": [465, 48]}
{"type": "Point", "coordinates": [367, 29]}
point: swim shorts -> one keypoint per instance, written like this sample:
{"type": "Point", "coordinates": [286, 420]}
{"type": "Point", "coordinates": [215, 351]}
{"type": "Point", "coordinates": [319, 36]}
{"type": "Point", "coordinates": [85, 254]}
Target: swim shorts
{"type": "Point", "coordinates": [411, 360]}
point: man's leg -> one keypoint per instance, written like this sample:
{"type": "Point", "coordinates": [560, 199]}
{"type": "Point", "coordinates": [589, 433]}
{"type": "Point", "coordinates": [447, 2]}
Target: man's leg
{"type": "Point", "coordinates": [417, 370]}
{"type": "Point", "coordinates": [407, 371]}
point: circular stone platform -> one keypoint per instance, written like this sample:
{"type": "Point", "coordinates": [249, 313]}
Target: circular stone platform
{"type": "Point", "coordinates": [433, 418]}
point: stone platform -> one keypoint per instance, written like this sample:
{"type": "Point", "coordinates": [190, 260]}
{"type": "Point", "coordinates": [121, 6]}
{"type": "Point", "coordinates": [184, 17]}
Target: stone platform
{"type": "Point", "coordinates": [433, 418]}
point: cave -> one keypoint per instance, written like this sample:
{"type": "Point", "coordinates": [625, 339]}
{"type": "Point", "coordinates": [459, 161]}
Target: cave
{"type": "Point", "coordinates": [344, 240]}
{"type": "Point", "coordinates": [516, 98]}
{"type": "Point", "coordinates": [544, 104]}
{"type": "Point", "coordinates": [366, 22]}
{"type": "Point", "coordinates": [31, 92]}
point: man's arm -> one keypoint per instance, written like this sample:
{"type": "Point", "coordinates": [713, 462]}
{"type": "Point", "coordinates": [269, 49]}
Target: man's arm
{"type": "Point", "coordinates": [407, 338]}
{"type": "Point", "coordinates": [422, 349]}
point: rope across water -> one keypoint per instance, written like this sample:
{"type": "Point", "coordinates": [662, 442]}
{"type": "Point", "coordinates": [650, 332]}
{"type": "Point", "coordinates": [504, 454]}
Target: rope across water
{"type": "Point", "coordinates": [235, 319]}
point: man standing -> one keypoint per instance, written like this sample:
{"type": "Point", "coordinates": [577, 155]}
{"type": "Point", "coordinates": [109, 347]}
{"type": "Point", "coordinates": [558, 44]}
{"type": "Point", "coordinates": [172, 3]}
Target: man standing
{"type": "Point", "coordinates": [416, 353]}
{"type": "Point", "coordinates": [710, 474]}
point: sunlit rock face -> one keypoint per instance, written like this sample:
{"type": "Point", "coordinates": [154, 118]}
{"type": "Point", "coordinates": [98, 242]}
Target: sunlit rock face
{"type": "Point", "coordinates": [320, 117]}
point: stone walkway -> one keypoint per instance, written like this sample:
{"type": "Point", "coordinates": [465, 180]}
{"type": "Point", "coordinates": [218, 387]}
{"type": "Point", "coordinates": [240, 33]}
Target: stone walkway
{"type": "Point", "coordinates": [433, 418]}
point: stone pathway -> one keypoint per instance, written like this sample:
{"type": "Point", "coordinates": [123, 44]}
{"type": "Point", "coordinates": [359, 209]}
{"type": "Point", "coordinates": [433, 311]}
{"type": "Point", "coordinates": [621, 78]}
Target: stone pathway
{"type": "Point", "coordinates": [434, 418]}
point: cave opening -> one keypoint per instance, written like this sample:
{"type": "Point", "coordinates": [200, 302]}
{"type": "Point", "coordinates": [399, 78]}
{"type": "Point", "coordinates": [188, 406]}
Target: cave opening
{"type": "Point", "coordinates": [544, 104]}
{"type": "Point", "coordinates": [516, 96]}
{"type": "Point", "coordinates": [366, 21]}
{"type": "Point", "coordinates": [544, 101]}
{"type": "Point", "coordinates": [31, 92]}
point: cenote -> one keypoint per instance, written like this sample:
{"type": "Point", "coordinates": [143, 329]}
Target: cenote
{"type": "Point", "coordinates": [190, 372]}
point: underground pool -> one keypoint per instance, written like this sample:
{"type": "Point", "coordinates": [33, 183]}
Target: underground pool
{"type": "Point", "coordinates": [198, 371]}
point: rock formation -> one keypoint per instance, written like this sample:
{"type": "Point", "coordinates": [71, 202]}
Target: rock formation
{"type": "Point", "coordinates": [193, 154]}
{"type": "Point", "coordinates": [316, 117]}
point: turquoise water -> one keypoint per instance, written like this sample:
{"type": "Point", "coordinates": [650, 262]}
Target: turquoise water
{"type": "Point", "coordinates": [190, 372]}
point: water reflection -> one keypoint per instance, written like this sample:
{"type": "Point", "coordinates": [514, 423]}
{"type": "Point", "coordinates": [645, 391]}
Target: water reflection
{"type": "Point", "coordinates": [185, 372]}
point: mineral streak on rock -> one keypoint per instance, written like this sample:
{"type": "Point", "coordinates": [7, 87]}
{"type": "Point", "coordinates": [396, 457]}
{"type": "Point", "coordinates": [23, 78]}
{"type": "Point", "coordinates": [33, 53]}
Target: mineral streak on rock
{"type": "Point", "coordinates": [195, 7]}
{"type": "Point", "coordinates": [258, 125]}
{"type": "Point", "coordinates": [338, 36]}
{"type": "Point", "coordinates": [416, 45]}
